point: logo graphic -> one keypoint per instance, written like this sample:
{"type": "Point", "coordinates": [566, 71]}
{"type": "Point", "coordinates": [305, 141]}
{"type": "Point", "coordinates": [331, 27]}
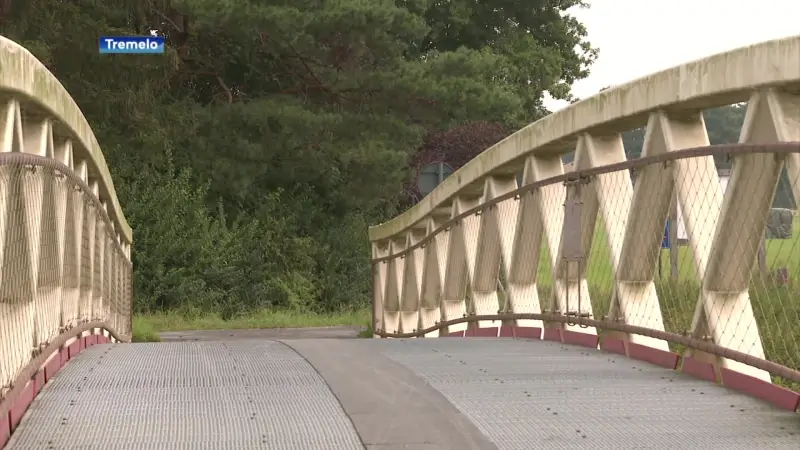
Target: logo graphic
{"type": "Point", "coordinates": [144, 45]}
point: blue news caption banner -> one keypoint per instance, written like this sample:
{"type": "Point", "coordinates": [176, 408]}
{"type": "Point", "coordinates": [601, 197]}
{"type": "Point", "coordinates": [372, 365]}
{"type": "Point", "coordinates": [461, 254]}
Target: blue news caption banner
{"type": "Point", "coordinates": [142, 45]}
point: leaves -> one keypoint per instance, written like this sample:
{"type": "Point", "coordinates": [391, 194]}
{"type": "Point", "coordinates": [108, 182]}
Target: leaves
{"type": "Point", "coordinates": [455, 146]}
{"type": "Point", "coordinates": [252, 156]}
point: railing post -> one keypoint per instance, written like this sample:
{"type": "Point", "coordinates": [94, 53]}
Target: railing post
{"type": "Point", "coordinates": [460, 256]}
{"type": "Point", "coordinates": [633, 219]}
{"type": "Point", "coordinates": [551, 199]}
{"type": "Point", "coordinates": [436, 249]}
{"type": "Point", "coordinates": [380, 274]}
{"type": "Point", "coordinates": [98, 276]}
{"type": "Point", "coordinates": [525, 253]}
{"type": "Point", "coordinates": [394, 283]}
{"type": "Point", "coordinates": [724, 312]}
{"type": "Point", "coordinates": [38, 141]}
{"type": "Point", "coordinates": [411, 284]}
{"type": "Point", "coordinates": [494, 242]}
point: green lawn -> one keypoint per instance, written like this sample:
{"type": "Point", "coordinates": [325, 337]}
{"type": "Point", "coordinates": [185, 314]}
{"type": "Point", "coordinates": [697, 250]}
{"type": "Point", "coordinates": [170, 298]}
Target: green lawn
{"type": "Point", "coordinates": [147, 326]}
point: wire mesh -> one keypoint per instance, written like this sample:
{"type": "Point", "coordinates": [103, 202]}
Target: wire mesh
{"type": "Point", "coordinates": [98, 280]}
{"type": "Point", "coordinates": [86, 261]}
{"type": "Point", "coordinates": [668, 244]}
{"type": "Point", "coordinates": [53, 265]}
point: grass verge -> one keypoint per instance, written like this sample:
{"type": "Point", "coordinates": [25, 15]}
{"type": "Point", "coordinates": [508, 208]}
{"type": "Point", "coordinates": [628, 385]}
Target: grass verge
{"type": "Point", "coordinates": [143, 331]}
{"type": "Point", "coordinates": [147, 326]}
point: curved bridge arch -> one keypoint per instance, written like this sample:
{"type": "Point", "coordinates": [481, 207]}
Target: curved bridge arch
{"type": "Point", "coordinates": [482, 255]}
{"type": "Point", "coordinates": [718, 80]}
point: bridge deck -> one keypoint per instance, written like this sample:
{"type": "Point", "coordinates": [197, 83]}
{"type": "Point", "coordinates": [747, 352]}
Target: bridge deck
{"type": "Point", "coordinates": [421, 394]}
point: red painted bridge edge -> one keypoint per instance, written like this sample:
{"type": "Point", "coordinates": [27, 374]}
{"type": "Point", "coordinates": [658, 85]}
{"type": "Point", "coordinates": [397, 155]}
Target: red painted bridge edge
{"type": "Point", "coordinates": [10, 420]}
{"type": "Point", "coordinates": [778, 396]}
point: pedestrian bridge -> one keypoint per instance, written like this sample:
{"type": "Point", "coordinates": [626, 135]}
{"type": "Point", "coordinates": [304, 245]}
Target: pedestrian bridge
{"type": "Point", "coordinates": [520, 305]}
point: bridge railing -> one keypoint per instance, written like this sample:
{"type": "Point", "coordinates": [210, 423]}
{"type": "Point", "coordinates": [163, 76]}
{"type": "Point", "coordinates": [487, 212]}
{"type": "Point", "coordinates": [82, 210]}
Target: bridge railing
{"type": "Point", "coordinates": [576, 256]}
{"type": "Point", "coordinates": [65, 269]}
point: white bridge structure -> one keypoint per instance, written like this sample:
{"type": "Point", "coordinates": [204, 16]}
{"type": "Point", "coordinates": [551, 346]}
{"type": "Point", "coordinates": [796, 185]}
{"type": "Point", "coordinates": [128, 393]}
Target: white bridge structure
{"type": "Point", "coordinates": [441, 259]}
{"type": "Point", "coordinates": [554, 277]}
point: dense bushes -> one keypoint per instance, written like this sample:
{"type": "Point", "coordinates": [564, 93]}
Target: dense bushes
{"type": "Point", "coordinates": [251, 157]}
{"type": "Point", "coordinates": [189, 256]}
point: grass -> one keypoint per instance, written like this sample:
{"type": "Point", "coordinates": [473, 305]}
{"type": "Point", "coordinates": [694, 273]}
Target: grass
{"type": "Point", "coordinates": [146, 327]}
{"type": "Point", "coordinates": [775, 303]}
{"type": "Point", "coordinates": [143, 331]}
{"type": "Point", "coordinates": [367, 332]}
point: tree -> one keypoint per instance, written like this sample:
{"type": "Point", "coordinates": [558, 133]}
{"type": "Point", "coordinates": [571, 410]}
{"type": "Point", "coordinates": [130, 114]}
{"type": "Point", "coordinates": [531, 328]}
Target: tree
{"type": "Point", "coordinates": [455, 146]}
{"type": "Point", "coordinates": [274, 132]}
{"type": "Point", "coordinates": [542, 47]}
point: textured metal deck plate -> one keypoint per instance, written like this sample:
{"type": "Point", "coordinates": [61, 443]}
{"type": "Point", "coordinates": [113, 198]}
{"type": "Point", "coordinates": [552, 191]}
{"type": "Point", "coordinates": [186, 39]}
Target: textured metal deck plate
{"type": "Point", "coordinates": [528, 395]}
{"type": "Point", "coordinates": [258, 394]}
{"type": "Point", "coordinates": [190, 395]}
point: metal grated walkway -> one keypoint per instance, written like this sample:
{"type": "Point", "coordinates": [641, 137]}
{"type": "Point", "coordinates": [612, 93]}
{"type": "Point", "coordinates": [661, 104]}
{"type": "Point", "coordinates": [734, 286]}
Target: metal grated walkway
{"type": "Point", "coordinates": [212, 395]}
{"type": "Point", "coordinates": [424, 394]}
{"type": "Point", "coordinates": [566, 397]}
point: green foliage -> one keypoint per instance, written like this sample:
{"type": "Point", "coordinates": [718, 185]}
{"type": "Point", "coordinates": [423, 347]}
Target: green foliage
{"type": "Point", "coordinates": [367, 332]}
{"type": "Point", "coordinates": [193, 257]}
{"type": "Point", "coordinates": [143, 331]}
{"type": "Point", "coordinates": [252, 156]}
{"type": "Point", "coordinates": [538, 46]}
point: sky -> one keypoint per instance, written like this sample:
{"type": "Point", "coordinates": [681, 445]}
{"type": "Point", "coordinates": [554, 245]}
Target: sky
{"type": "Point", "coordinates": [640, 37]}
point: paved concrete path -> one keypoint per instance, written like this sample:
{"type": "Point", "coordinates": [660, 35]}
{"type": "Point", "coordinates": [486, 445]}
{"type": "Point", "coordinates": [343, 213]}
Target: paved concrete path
{"type": "Point", "coordinates": [425, 394]}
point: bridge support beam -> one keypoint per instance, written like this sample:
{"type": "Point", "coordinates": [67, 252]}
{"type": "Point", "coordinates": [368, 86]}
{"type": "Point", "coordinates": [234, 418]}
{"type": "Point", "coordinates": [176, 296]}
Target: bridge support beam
{"type": "Point", "coordinates": [73, 251]}
{"type": "Point", "coordinates": [436, 250]}
{"type": "Point", "coordinates": [412, 281]}
{"type": "Point", "coordinates": [632, 219]}
{"type": "Point", "coordinates": [394, 280]}
{"type": "Point", "coordinates": [493, 247]}
{"type": "Point", "coordinates": [724, 313]}
{"type": "Point", "coordinates": [461, 250]}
